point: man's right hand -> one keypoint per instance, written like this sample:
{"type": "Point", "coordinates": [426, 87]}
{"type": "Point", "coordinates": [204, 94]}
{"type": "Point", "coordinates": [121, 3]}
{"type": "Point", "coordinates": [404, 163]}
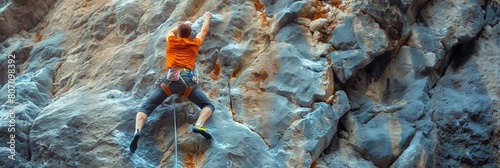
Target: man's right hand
{"type": "Point", "coordinates": [204, 28]}
{"type": "Point", "coordinates": [208, 15]}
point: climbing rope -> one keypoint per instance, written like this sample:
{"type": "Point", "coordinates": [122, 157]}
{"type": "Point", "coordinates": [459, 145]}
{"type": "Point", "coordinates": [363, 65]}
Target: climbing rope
{"type": "Point", "coordinates": [175, 135]}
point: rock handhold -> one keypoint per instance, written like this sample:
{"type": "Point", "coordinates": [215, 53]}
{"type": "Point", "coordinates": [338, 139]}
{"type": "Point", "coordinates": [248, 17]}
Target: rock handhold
{"type": "Point", "coordinates": [343, 36]}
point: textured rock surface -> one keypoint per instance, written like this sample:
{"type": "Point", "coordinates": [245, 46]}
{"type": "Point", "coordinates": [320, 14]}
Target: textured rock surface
{"type": "Point", "coordinates": [467, 130]}
{"type": "Point", "coordinates": [19, 15]}
{"type": "Point", "coordinates": [409, 83]}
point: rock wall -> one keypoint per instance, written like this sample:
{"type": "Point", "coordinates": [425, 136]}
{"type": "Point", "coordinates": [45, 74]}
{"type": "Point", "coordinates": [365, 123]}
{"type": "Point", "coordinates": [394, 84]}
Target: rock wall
{"type": "Point", "coordinates": [310, 83]}
{"type": "Point", "coordinates": [21, 15]}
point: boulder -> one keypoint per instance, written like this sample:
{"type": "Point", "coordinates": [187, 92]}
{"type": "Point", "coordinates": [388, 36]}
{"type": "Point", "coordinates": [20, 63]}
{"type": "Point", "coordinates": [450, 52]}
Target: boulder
{"type": "Point", "coordinates": [453, 21]}
{"type": "Point", "coordinates": [343, 36]}
{"type": "Point", "coordinates": [416, 154]}
{"type": "Point", "coordinates": [300, 147]}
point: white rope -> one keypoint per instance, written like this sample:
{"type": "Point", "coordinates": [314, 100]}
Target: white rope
{"type": "Point", "coordinates": [175, 134]}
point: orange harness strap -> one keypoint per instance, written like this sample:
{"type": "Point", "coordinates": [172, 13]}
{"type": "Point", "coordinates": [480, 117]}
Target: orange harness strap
{"type": "Point", "coordinates": [165, 88]}
{"type": "Point", "coordinates": [169, 93]}
{"type": "Point", "coordinates": [188, 91]}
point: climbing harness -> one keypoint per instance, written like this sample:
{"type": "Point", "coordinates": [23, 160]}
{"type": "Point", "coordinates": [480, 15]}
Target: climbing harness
{"type": "Point", "coordinates": [188, 88]}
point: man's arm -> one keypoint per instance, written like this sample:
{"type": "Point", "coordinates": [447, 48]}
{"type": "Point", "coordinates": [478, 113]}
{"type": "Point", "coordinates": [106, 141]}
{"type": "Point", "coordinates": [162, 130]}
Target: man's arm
{"type": "Point", "coordinates": [172, 32]}
{"type": "Point", "coordinates": [204, 28]}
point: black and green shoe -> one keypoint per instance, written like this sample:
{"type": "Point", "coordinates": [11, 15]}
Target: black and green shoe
{"type": "Point", "coordinates": [202, 131]}
{"type": "Point", "coordinates": [135, 142]}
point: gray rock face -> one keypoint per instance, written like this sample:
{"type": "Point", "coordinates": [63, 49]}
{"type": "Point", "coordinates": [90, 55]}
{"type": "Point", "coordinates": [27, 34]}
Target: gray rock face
{"type": "Point", "coordinates": [343, 36]}
{"type": "Point", "coordinates": [32, 93]}
{"type": "Point", "coordinates": [469, 120]}
{"type": "Point", "coordinates": [453, 21]}
{"type": "Point", "coordinates": [370, 36]}
{"type": "Point", "coordinates": [375, 126]}
{"type": "Point", "coordinates": [408, 83]}
{"type": "Point", "coordinates": [346, 63]}
{"type": "Point", "coordinates": [491, 17]}
{"type": "Point", "coordinates": [300, 89]}
{"type": "Point", "coordinates": [387, 13]}
{"type": "Point", "coordinates": [47, 143]}
{"type": "Point", "coordinates": [414, 71]}
{"type": "Point", "coordinates": [19, 49]}
{"type": "Point", "coordinates": [323, 120]}
{"type": "Point", "coordinates": [18, 15]}
{"type": "Point", "coordinates": [372, 41]}
{"type": "Point", "coordinates": [412, 8]}
{"type": "Point", "coordinates": [416, 155]}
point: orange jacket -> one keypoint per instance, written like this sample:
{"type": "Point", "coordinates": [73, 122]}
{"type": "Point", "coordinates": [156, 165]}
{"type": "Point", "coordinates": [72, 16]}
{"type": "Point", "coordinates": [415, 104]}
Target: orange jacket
{"type": "Point", "coordinates": [181, 52]}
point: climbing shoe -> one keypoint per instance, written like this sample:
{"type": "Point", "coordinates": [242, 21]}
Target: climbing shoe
{"type": "Point", "coordinates": [202, 131]}
{"type": "Point", "coordinates": [135, 142]}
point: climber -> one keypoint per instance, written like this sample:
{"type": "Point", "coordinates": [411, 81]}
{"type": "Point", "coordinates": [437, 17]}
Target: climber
{"type": "Point", "coordinates": [181, 53]}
